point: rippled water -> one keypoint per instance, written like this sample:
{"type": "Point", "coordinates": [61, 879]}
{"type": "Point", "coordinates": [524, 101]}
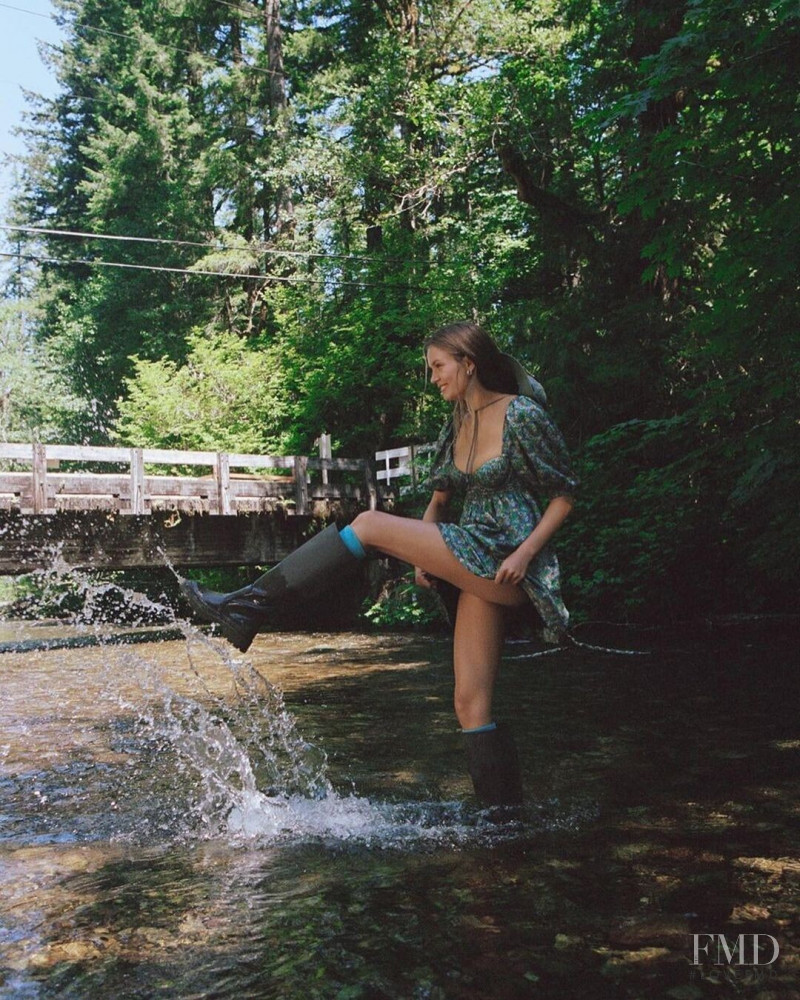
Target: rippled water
{"type": "Point", "coordinates": [297, 823]}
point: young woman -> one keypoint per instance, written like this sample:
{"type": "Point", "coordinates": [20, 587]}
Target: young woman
{"type": "Point", "coordinates": [501, 451]}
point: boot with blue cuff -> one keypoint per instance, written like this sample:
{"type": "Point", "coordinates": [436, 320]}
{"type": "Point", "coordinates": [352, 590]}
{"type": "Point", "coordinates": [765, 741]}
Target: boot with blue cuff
{"type": "Point", "coordinates": [493, 765]}
{"type": "Point", "coordinates": [303, 574]}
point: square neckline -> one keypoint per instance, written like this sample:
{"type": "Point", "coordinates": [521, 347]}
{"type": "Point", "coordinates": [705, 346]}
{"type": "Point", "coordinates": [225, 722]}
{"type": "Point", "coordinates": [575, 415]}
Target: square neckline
{"type": "Point", "coordinates": [494, 458]}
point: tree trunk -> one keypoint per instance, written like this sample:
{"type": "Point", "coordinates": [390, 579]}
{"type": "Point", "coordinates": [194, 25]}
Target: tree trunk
{"type": "Point", "coordinates": [278, 102]}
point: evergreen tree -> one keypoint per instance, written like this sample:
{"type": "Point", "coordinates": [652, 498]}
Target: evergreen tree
{"type": "Point", "coordinates": [611, 188]}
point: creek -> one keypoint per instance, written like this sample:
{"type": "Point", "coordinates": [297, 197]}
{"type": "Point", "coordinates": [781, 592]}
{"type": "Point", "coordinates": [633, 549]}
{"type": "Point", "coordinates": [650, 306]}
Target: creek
{"type": "Point", "coordinates": [297, 823]}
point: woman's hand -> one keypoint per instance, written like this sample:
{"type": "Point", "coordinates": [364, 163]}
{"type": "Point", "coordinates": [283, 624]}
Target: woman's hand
{"type": "Point", "coordinates": [513, 568]}
{"type": "Point", "coordinates": [423, 579]}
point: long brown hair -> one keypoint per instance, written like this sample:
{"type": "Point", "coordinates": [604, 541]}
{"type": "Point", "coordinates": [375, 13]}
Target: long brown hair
{"type": "Point", "coordinates": [468, 340]}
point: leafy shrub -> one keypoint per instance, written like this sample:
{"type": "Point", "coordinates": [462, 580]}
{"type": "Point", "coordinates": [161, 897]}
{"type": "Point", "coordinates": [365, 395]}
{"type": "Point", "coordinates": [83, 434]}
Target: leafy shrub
{"type": "Point", "coordinates": [402, 604]}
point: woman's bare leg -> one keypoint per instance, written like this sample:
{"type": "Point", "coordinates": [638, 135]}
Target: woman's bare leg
{"type": "Point", "coordinates": [492, 759]}
{"type": "Point", "coordinates": [477, 647]}
{"type": "Point", "coordinates": [420, 543]}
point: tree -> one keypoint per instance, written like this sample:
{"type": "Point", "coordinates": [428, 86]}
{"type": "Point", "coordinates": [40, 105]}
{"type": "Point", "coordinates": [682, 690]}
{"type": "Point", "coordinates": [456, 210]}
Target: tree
{"type": "Point", "coordinates": [34, 402]}
{"type": "Point", "coordinates": [611, 188]}
{"type": "Point", "coordinates": [228, 396]}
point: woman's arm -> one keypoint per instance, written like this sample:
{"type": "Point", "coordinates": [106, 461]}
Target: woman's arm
{"type": "Point", "coordinates": [515, 566]}
{"type": "Point", "coordinates": [435, 511]}
{"type": "Point", "coordinates": [437, 507]}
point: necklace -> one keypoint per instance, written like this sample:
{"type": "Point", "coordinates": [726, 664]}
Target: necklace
{"type": "Point", "coordinates": [474, 441]}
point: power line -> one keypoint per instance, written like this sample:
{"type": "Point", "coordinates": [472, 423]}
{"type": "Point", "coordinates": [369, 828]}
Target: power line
{"type": "Point", "coordinates": [164, 45]}
{"type": "Point", "coordinates": [22, 10]}
{"type": "Point", "coordinates": [251, 12]}
{"type": "Point", "coordinates": [113, 236]}
{"type": "Point", "coordinates": [219, 247]}
{"type": "Point", "coordinates": [264, 278]}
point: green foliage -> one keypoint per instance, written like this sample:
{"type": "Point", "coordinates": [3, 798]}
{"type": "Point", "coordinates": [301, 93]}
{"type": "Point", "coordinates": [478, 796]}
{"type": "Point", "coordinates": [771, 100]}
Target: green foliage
{"type": "Point", "coordinates": [612, 189]}
{"type": "Point", "coordinates": [640, 507]}
{"type": "Point", "coordinates": [35, 404]}
{"type": "Point", "coordinates": [228, 396]}
{"type": "Point", "coordinates": [403, 605]}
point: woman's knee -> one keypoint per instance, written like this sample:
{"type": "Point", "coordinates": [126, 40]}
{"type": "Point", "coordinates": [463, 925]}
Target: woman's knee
{"type": "Point", "coordinates": [367, 525]}
{"type": "Point", "coordinates": [472, 708]}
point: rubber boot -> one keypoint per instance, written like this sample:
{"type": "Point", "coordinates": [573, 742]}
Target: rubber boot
{"type": "Point", "coordinates": [303, 574]}
{"type": "Point", "coordinates": [493, 765]}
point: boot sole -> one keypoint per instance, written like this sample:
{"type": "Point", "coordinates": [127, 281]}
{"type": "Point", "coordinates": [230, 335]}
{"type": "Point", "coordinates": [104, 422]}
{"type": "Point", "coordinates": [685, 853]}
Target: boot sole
{"type": "Point", "coordinates": [236, 636]}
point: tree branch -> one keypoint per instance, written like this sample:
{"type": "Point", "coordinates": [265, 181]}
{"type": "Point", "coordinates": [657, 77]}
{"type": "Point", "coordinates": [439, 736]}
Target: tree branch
{"type": "Point", "coordinates": [529, 192]}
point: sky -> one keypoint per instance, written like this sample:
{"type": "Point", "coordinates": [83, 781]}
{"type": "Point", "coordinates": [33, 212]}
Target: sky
{"type": "Point", "coordinates": [21, 66]}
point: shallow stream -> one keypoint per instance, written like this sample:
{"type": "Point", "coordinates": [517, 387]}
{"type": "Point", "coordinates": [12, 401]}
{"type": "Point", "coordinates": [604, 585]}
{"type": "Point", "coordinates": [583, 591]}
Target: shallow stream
{"type": "Point", "coordinates": [296, 824]}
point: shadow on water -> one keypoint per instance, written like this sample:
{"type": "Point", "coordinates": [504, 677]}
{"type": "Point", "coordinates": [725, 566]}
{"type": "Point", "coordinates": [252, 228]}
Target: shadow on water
{"type": "Point", "coordinates": [297, 823]}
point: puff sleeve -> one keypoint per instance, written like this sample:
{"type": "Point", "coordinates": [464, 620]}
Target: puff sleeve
{"type": "Point", "coordinates": [439, 477]}
{"type": "Point", "coordinates": [538, 454]}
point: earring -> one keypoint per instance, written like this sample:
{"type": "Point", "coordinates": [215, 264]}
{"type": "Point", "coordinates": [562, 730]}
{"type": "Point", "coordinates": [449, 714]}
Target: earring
{"type": "Point", "coordinates": [470, 371]}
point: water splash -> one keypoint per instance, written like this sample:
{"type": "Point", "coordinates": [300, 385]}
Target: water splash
{"type": "Point", "coordinates": [210, 751]}
{"type": "Point", "coordinates": [352, 819]}
{"type": "Point", "coordinates": [228, 749]}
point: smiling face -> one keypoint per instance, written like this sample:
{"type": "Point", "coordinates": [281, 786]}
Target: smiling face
{"type": "Point", "coordinates": [448, 373]}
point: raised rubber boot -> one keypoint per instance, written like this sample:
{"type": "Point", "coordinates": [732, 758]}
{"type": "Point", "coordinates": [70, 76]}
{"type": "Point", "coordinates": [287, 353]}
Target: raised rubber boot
{"type": "Point", "coordinates": [303, 574]}
{"type": "Point", "coordinates": [493, 765]}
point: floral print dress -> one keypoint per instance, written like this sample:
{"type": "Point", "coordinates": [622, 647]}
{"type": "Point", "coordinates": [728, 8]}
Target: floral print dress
{"type": "Point", "coordinates": [500, 508]}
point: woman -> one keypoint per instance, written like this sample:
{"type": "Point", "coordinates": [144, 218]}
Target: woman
{"type": "Point", "coordinates": [501, 449]}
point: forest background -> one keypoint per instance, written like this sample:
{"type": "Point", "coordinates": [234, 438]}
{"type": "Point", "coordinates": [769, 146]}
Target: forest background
{"type": "Point", "coordinates": [293, 193]}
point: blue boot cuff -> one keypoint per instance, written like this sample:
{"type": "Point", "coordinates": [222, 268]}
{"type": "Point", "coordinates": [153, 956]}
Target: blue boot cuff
{"type": "Point", "coordinates": [481, 729]}
{"type": "Point", "coordinates": [352, 543]}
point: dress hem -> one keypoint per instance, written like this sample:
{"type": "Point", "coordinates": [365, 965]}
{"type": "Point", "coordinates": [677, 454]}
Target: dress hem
{"type": "Point", "coordinates": [554, 626]}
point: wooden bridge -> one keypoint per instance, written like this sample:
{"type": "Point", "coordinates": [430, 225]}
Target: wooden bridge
{"type": "Point", "coordinates": [88, 506]}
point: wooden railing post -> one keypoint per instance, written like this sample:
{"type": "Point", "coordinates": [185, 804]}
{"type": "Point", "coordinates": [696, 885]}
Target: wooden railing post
{"type": "Point", "coordinates": [371, 483]}
{"type": "Point", "coordinates": [412, 457]}
{"type": "Point", "coordinates": [325, 455]}
{"type": "Point", "coordinates": [301, 484]}
{"type": "Point", "coordinates": [223, 476]}
{"type": "Point", "coordinates": [39, 478]}
{"type": "Point", "coordinates": [137, 481]}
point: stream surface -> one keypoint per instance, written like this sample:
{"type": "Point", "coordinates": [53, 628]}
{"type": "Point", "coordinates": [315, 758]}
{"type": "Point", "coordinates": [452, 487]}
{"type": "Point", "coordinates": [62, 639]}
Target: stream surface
{"type": "Point", "coordinates": [297, 823]}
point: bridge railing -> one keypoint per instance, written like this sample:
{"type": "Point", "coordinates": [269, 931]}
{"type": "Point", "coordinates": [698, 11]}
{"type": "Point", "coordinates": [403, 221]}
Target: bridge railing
{"type": "Point", "coordinates": [232, 483]}
{"type": "Point", "coordinates": [260, 484]}
{"type": "Point", "coordinates": [401, 462]}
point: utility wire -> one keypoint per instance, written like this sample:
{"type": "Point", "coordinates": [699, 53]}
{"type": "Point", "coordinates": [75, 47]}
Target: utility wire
{"type": "Point", "coordinates": [264, 278]}
{"type": "Point", "coordinates": [164, 45]}
{"type": "Point", "coordinates": [219, 247]}
{"type": "Point", "coordinates": [109, 236]}
{"type": "Point", "coordinates": [22, 10]}
{"type": "Point", "coordinates": [251, 12]}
